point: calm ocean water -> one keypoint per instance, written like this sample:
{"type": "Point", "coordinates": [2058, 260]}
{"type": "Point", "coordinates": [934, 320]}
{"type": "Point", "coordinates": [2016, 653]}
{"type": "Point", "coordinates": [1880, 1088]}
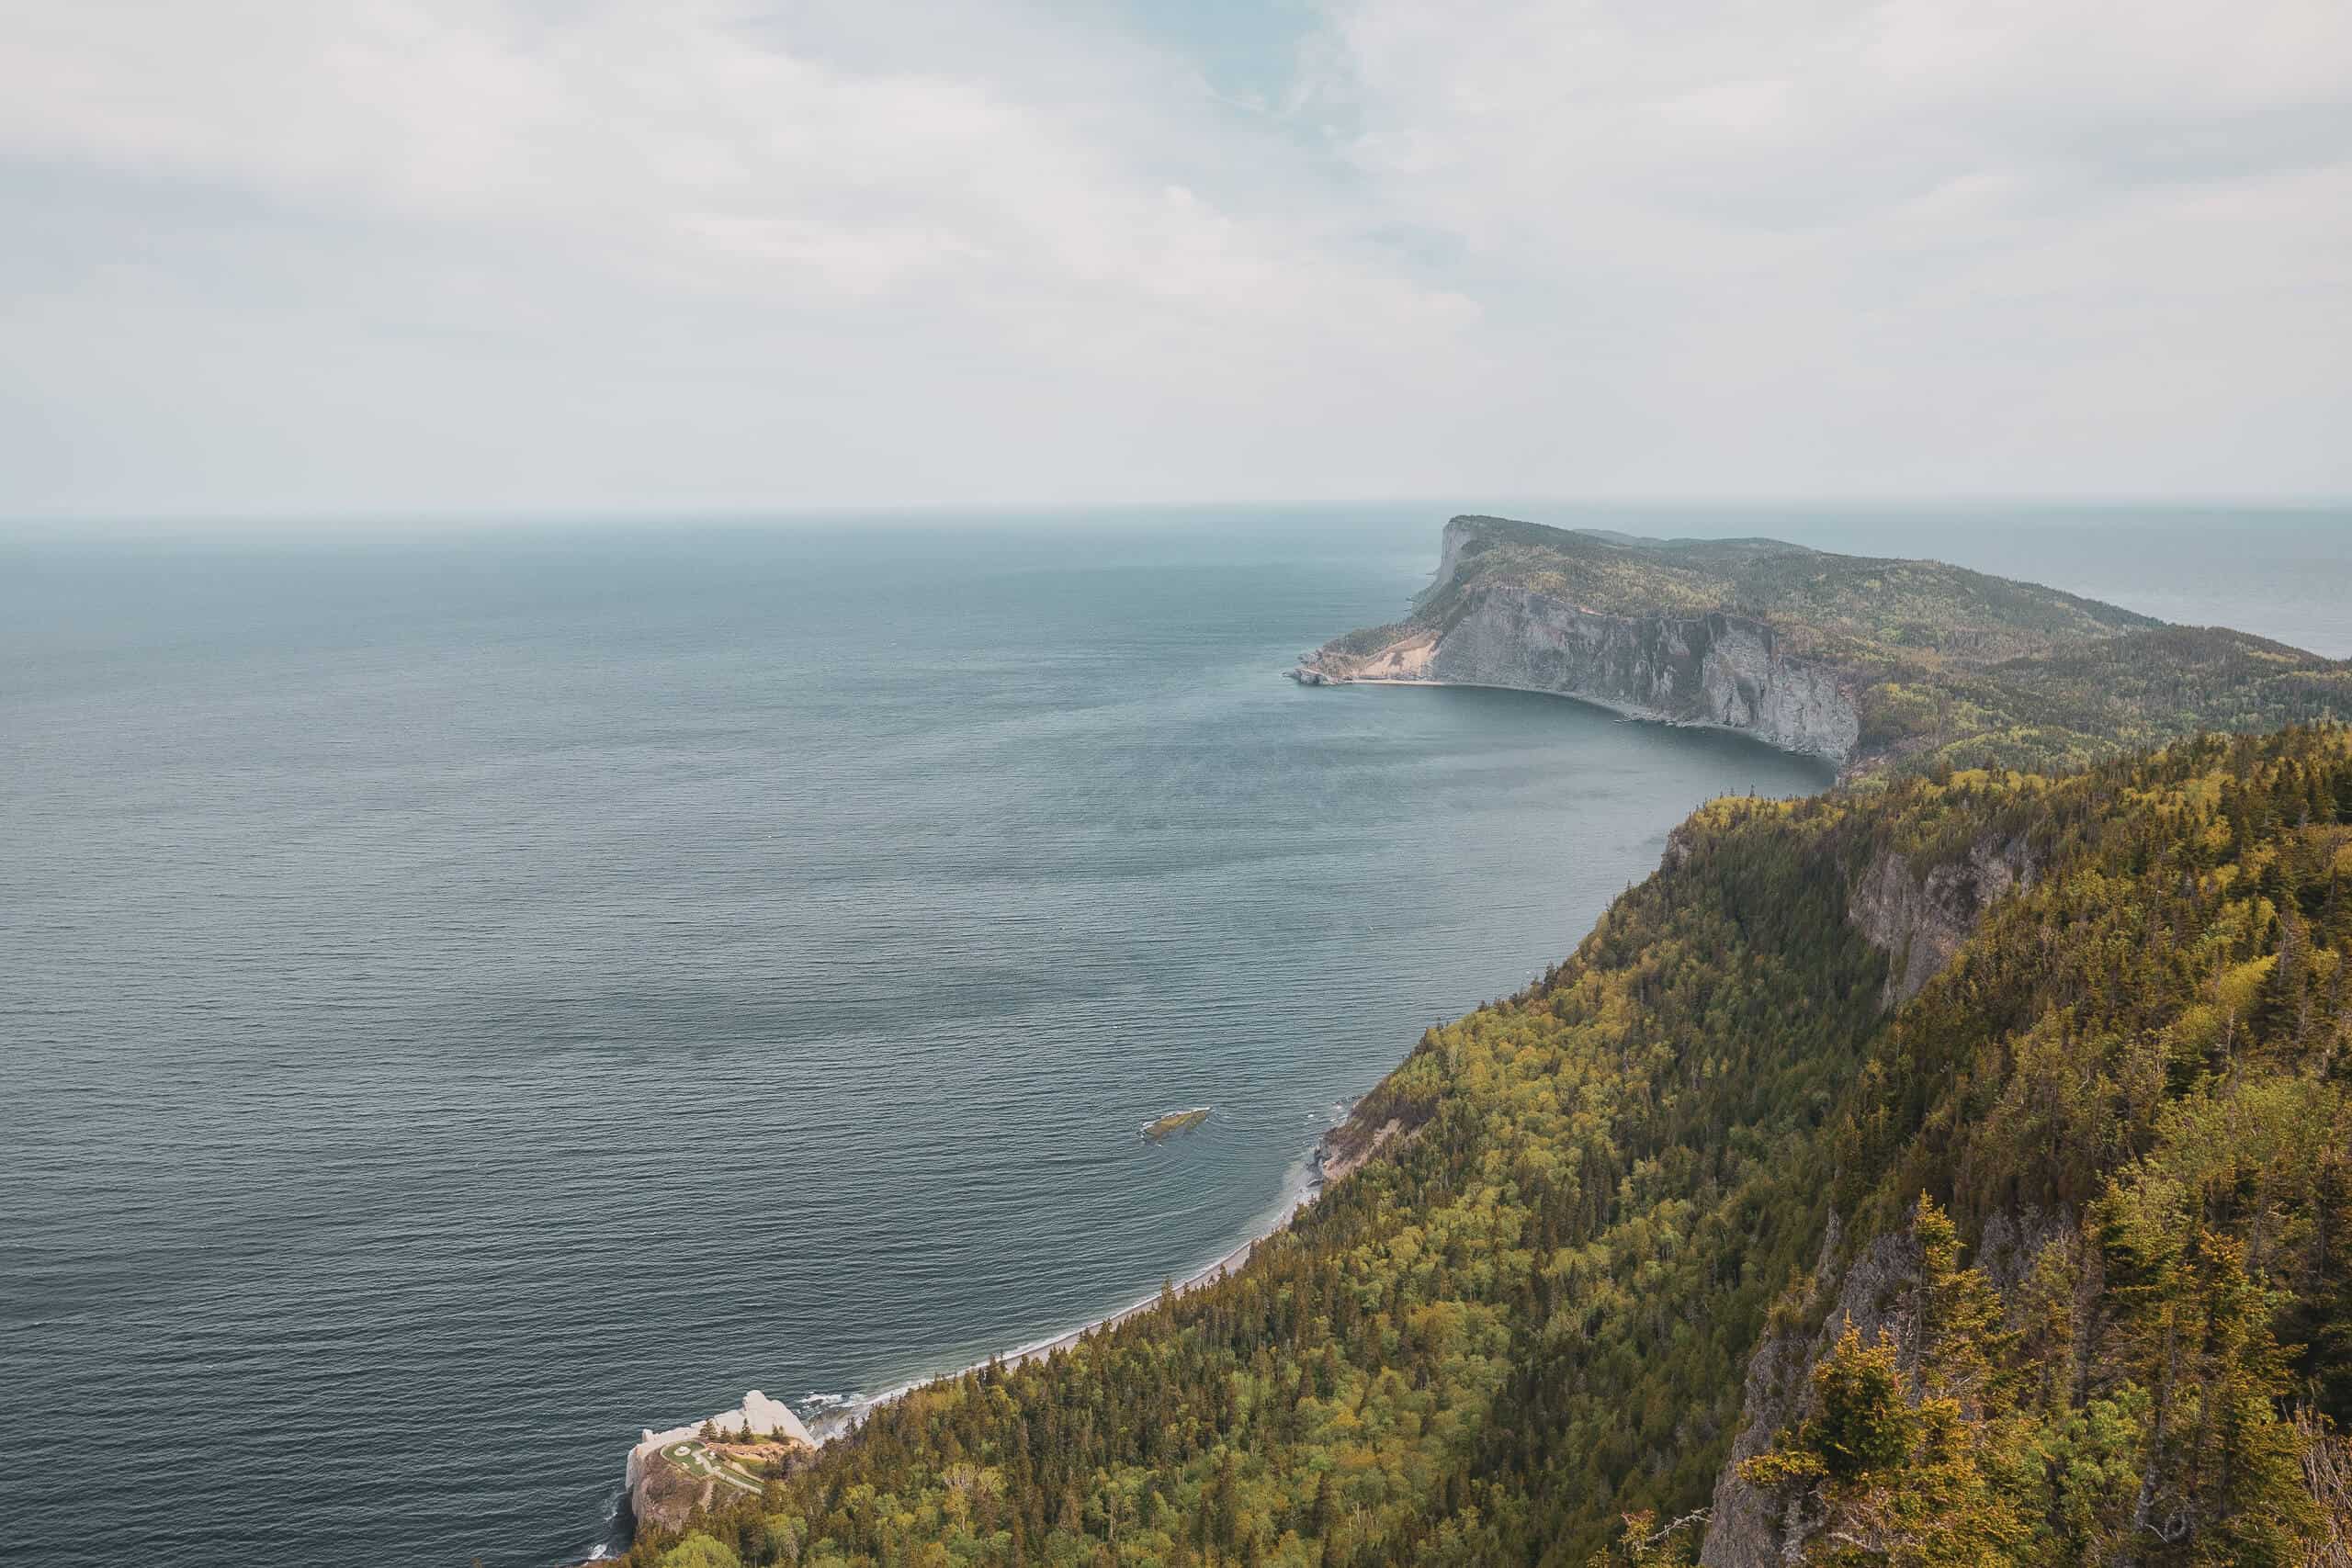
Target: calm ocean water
{"type": "Point", "coordinates": [470, 998]}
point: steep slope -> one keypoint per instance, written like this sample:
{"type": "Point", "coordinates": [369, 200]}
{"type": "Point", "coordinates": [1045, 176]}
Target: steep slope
{"type": "Point", "coordinates": [1868, 662]}
{"type": "Point", "coordinates": [1606, 1267]}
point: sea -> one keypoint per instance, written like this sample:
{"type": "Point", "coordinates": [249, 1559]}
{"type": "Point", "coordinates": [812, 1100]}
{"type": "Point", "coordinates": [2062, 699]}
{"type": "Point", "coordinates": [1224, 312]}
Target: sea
{"type": "Point", "coordinates": [470, 994]}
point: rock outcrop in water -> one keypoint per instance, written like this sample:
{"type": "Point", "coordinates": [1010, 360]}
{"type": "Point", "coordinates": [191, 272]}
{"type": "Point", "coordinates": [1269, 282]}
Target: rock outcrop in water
{"type": "Point", "coordinates": [1161, 1128]}
{"type": "Point", "coordinates": [667, 1487]}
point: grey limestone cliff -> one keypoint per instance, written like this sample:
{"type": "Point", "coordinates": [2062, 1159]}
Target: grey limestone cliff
{"type": "Point", "coordinates": [1716, 669]}
{"type": "Point", "coordinates": [1920, 922]}
{"type": "Point", "coordinates": [1874, 1291]}
{"type": "Point", "coordinates": [1719, 669]}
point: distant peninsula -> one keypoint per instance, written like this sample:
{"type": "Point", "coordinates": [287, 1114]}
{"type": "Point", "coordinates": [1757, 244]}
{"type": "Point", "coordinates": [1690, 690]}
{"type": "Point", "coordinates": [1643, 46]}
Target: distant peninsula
{"type": "Point", "coordinates": [1875, 665]}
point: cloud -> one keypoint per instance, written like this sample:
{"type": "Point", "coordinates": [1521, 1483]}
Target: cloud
{"type": "Point", "coordinates": [420, 254]}
{"type": "Point", "coordinates": [2050, 245]}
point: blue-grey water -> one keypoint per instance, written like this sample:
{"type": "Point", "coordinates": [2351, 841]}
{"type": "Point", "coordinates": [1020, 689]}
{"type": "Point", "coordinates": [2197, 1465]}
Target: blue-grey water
{"type": "Point", "coordinates": [471, 997]}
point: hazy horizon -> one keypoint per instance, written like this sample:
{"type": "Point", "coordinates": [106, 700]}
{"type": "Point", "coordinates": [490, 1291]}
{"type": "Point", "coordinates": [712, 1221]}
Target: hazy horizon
{"type": "Point", "coordinates": [2127, 554]}
{"type": "Point", "coordinates": [1896, 512]}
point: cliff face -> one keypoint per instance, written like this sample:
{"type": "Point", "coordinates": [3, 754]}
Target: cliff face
{"type": "Point", "coordinates": [1875, 1291]}
{"type": "Point", "coordinates": [1458, 533]}
{"type": "Point", "coordinates": [1921, 921]}
{"type": "Point", "coordinates": [661, 1495]}
{"type": "Point", "coordinates": [1713, 669]}
{"type": "Point", "coordinates": [1744, 1529]}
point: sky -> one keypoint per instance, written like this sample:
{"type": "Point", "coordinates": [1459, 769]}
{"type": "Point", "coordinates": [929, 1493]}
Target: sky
{"type": "Point", "coordinates": [279, 258]}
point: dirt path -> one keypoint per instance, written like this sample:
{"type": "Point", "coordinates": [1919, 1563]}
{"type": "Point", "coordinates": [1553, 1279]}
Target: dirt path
{"type": "Point", "coordinates": [698, 1460]}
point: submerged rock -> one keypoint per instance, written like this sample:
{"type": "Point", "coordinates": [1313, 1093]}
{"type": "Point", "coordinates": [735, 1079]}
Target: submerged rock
{"type": "Point", "coordinates": [1175, 1122]}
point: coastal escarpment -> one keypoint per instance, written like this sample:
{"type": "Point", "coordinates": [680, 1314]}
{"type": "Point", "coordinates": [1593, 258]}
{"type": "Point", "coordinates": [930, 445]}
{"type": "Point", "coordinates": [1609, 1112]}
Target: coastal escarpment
{"type": "Point", "coordinates": [1714, 668]}
{"type": "Point", "coordinates": [1919, 919]}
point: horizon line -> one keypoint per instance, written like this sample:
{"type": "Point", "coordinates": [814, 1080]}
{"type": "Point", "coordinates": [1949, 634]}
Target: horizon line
{"type": "Point", "coordinates": [277, 520]}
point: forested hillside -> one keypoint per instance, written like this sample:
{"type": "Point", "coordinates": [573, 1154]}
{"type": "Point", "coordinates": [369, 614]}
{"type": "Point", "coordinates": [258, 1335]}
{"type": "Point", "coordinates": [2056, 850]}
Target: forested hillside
{"type": "Point", "coordinates": [1695, 1242]}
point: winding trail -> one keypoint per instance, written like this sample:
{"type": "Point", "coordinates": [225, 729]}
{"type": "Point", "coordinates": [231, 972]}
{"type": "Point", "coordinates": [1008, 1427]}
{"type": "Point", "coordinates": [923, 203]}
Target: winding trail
{"type": "Point", "coordinates": [698, 1460]}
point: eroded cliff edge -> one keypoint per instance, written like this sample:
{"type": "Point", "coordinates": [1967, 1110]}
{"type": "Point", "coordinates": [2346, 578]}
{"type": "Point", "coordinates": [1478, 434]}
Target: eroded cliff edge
{"type": "Point", "coordinates": [1919, 917]}
{"type": "Point", "coordinates": [1718, 669]}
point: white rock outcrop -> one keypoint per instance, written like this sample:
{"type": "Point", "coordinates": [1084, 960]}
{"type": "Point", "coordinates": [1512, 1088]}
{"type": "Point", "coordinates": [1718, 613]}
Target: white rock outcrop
{"type": "Point", "coordinates": [762, 1416]}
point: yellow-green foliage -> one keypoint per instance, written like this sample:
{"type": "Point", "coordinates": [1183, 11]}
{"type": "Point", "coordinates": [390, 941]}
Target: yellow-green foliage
{"type": "Point", "coordinates": [1532, 1315]}
{"type": "Point", "coordinates": [699, 1550]}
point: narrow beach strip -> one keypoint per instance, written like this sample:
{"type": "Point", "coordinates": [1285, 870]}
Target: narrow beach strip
{"type": "Point", "coordinates": [1309, 1186]}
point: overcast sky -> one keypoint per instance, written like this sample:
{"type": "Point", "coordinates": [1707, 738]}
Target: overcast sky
{"type": "Point", "coordinates": [299, 257]}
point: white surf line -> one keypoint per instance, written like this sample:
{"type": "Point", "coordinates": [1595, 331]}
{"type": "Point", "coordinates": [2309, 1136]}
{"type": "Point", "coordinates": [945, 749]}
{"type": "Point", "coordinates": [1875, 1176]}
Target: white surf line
{"type": "Point", "coordinates": [849, 1417]}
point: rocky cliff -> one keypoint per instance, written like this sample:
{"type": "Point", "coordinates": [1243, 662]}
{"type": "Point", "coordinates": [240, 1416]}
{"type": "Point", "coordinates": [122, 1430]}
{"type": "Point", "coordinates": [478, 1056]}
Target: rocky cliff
{"type": "Point", "coordinates": [1874, 1291]}
{"type": "Point", "coordinates": [1743, 1528]}
{"type": "Point", "coordinates": [1920, 920]}
{"type": "Point", "coordinates": [1716, 669]}
{"type": "Point", "coordinates": [663, 1496]}
{"type": "Point", "coordinates": [1710, 668]}
{"type": "Point", "coordinates": [672, 1475]}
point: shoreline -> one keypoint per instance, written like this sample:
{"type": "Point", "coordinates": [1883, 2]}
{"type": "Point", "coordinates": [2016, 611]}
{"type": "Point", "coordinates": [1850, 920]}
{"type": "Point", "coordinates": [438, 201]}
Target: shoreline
{"type": "Point", "coordinates": [1310, 1184]}
{"type": "Point", "coordinates": [1315, 1174]}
